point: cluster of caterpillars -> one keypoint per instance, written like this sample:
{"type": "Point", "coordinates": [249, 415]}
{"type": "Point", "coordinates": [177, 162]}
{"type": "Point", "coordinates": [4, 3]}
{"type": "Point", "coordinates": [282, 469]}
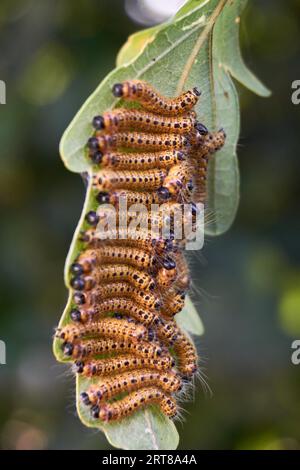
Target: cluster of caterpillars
{"type": "Point", "coordinates": [127, 289]}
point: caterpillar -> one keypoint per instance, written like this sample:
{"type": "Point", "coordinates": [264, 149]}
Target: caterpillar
{"type": "Point", "coordinates": [141, 239]}
{"type": "Point", "coordinates": [94, 347]}
{"type": "Point", "coordinates": [114, 273]}
{"type": "Point", "coordinates": [113, 254]}
{"type": "Point", "coordinates": [151, 100]}
{"type": "Point", "coordinates": [138, 140]}
{"type": "Point", "coordinates": [149, 180]}
{"type": "Point", "coordinates": [200, 157]}
{"type": "Point", "coordinates": [134, 401]}
{"type": "Point", "coordinates": [143, 161]}
{"type": "Point", "coordinates": [118, 289]}
{"type": "Point", "coordinates": [118, 305]}
{"type": "Point", "coordinates": [134, 216]}
{"type": "Point", "coordinates": [121, 364]}
{"type": "Point", "coordinates": [125, 119]}
{"type": "Point", "coordinates": [170, 334]}
{"type": "Point", "coordinates": [108, 327]}
{"type": "Point", "coordinates": [167, 381]}
{"type": "Point", "coordinates": [146, 198]}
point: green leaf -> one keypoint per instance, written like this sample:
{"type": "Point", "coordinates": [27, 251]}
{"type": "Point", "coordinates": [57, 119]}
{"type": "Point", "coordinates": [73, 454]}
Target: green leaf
{"type": "Point", "coordinates": [136, 44]}
{"type": "Point", "coordinates": [199, 47]}
{"type": "Point", "coordinates": [189, 319]}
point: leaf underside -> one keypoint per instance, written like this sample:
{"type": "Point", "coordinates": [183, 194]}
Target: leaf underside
{"type": "Point", "coordinates": [199, 47]}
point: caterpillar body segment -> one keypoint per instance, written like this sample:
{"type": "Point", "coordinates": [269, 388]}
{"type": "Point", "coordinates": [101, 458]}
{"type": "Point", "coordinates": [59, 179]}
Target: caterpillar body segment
{"type": "Point", "coordinates": [122, 363]}
{"type": "Point", "coordinates": [114, 273]}
{"type": "Point", "coordinates": [169, 382]}
{"type": "Point", "coordinates": [121, 119]}
{"type": "Point", "coordinates": [149, 180]}
{"type": "Point", "coordinates": [140, 239]}
{"type": "Point", "coordinates": [150, 99]}
{"type": "Point", "coordinates": [102, 292]}
{"type": "Point", "coordinates": [134, 401]}
{"type": "Point", "coordinates": [118, 305]}
{"type": "Point", "coordinates": [108, 327]}
{"type": "Point", "coordinates": [140, 141]}
{"type": "Point", "coordinates": [143, 161]}
{"type": "Point", "coordinates": [146, 198]}
{"type": "Point", "coordinates": [98, 347]}
{"type": "Point", "coordinates": [107, 254]}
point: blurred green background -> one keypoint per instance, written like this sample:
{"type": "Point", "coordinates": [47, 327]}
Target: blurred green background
{"type": "Point", "coordinates": [53, 55]}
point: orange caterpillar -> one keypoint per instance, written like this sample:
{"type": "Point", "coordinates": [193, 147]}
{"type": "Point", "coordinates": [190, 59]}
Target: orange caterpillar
{"type": "Point", "coordinates": [170, 333]}
{"type": "Point", "coordinates": [94, 347]}
{"type": "Point", "coordinates": [146, 198]}
{"type": "Point", "coordinates": [125, 119]}
{"type": "Point", "coordinates": [107, 327]}
{"type": "Point", "coordinates": [138, 216]}
{"type": "Point", "coordinates": [200, 157]}
{"type": "Point", "coordinates": [138, 140]}
{"type": "Point", "coordinates": [114, 273]}
{"type": "Point", "coordinates": [117, 289]}
{"type": "Point", "coordinates": [149, 180]}
{"type": "Point", "coordinates": [151, 100]}
{"type": "Point", "coordinates": [135, 257]}
{"type": "Point", "coordinates": [143, 161]}
{"type": "Point", "coordinates": [121, 364]}
{"type": "Point", "coordinates": [134, 401]}
{"type": "Point", "coordinates": [168, 381]}
{"type": "Point", "coordinates": [140, 239]}
{"type": "Point", "coordinates": [118, 305]}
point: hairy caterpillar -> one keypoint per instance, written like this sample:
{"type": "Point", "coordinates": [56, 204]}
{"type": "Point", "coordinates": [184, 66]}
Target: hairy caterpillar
{"type": "Point", "coordinates": [151, 100]}
{"type": "Point", "coordinates": [134, 197]}
{"type": "Point", "coordinates": [138, 140]}
{"type": "Point", "coordinates": [121, 364]}
{"type": "Point", "coordinates": [126, 119]}
{"type": "Point", "coordinates": [135, 400]}
{"type": "Point", "coordinates": [141, 239]}
{"type": "Point", "coordinates": [108, 327]}
{"type": "Point", "coordinates": [168, 381]}
{"type": "Point", "coordinates": [184, 348]}
{"type": "Point", "coordinates": [94, 347]}
{"type": "Point", "coordinates": [117, 289]}
{"type": "Point", "coordinates": [149, 180]}
{"type": "Point", "coordinates": [118, 305]}
{"type": "Point", "coordinates": [212, 142]}
{"type": "Point", "coordinates": [113, 254]}
{"type": "Point", "coordinates": [143, 161]}
{"type": "Point", "coordinates": [114, 273]}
